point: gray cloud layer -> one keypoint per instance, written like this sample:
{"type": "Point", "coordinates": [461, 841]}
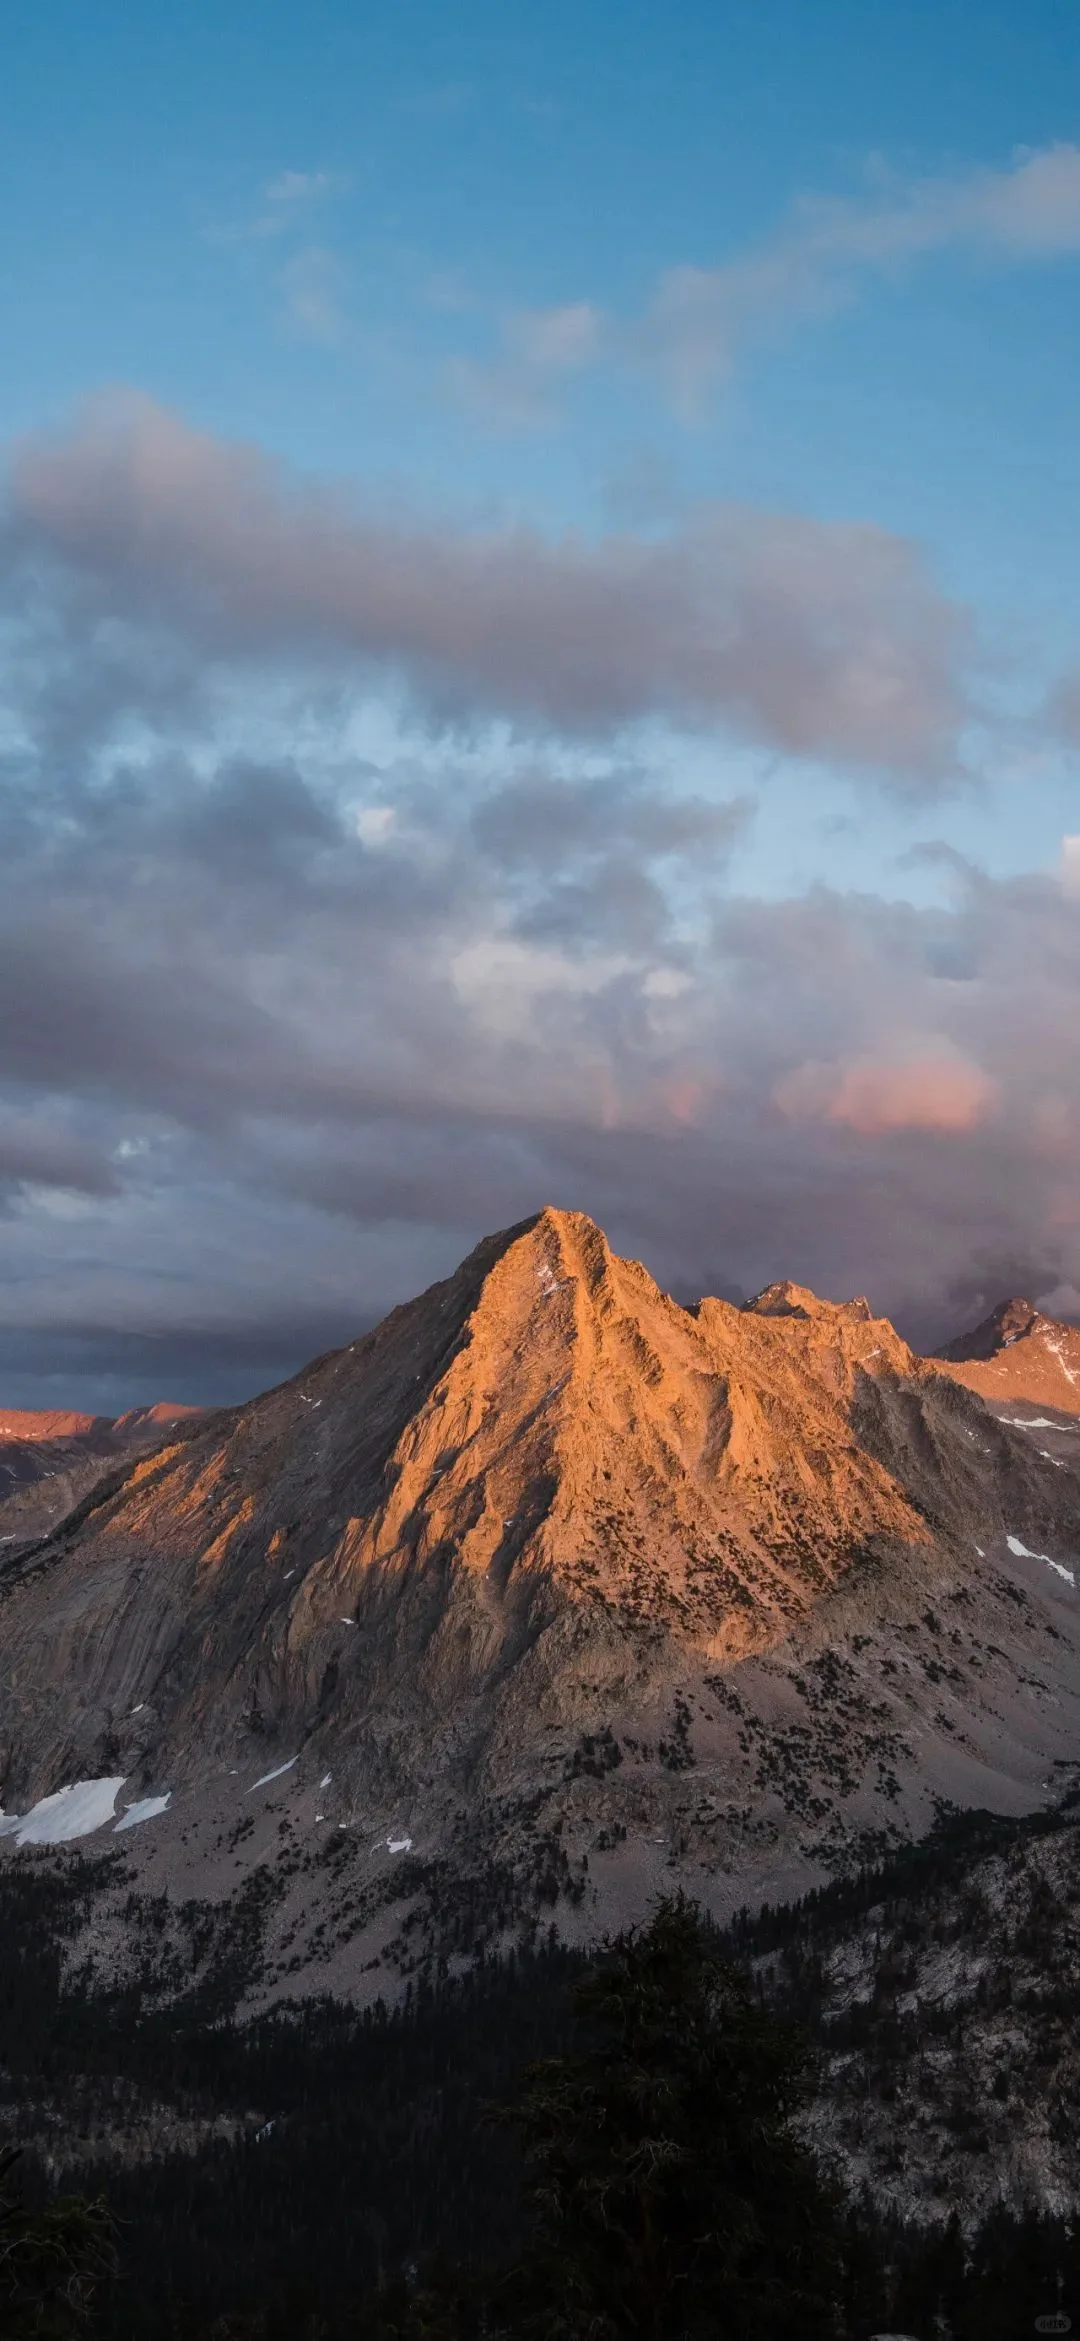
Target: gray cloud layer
{"type": "Point", "coordinates": [814, 637]}
{"type": "Point", "coordinates": [283, 1031]}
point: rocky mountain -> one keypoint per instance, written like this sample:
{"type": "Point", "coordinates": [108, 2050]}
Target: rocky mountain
{"type": "Point", "coordinates": [32, 1426]}
{"type": "Point", "coordinates": [943, 1994]}
{"type": "Point", "coordinates": [1018, 1357]}
{"type": "Point", "coordinates": [545, 1593]}
{"type": "Point", "coordinates": [795, 1300]}
{"type": "Point", "coordinates": [49, 1458]}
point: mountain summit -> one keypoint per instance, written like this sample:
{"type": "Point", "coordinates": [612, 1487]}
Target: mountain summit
{"type": "Point", "coordinates": [796, 1300]}
{"type": "Point", "coordinates": [1019, 1354]}
{"type": "Point", "coordinates": [547, 1571]}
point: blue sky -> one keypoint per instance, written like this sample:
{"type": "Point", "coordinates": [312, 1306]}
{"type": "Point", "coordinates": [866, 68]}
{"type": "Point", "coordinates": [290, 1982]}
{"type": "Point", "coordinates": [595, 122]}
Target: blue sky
{"type": "Point", "coordinates": [435, 174]}
{"type": "Point", "coordinates": [748, 335]}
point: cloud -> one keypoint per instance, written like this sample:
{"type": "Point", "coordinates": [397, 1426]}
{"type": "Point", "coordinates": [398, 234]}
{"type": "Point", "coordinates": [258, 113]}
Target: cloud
{"type": "Point", "coordinates": [292, 189]}
{"type": "Point", "coordinates": [313, 285]}
{"type": "Point", "coordinates": [590, 861]}
{"type": "Point", "coordinates": [43, 1148]}
{"type": "Point", "coordinates": [823, 639]}
{"type": "Point", "coordinates": [286, 203]}
{"type": "Point", "coordinates": [290, 1071]}
{"type": "Point", "coordinates": [539, 349]}
{"type": "Point", "coordinates": [286, 1023]}
{"type": "Point", "coordinates": [929, 1092]}
{"type": "Point", "coordinates": [309, 277]}
{"type": "Point", "coordinates": [543, 818]}
{"type": "Point", "coordinates": [700, 319]}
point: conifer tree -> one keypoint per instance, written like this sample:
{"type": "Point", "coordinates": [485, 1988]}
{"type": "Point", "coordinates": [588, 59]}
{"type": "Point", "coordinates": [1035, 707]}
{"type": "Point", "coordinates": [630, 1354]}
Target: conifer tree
{"type": "Point", "coordinates": [52, 2260]}
{"type": "Point", "coordinates": [672, 2198]}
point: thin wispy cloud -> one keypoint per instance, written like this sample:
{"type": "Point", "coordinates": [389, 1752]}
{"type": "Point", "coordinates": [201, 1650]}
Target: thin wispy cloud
{"type": "Point", "coordinates": [701, 320]}
{"type": "Point", "coordinates": [284, 207]}
{"type": "Point", "coordinates": [313, 285]}
{"type": "Point", "coordinates": [309, 277]}
{"type": "Point", "coordinates": [295, 190]}
{"type": "Point", "coordinates": [539, 351]}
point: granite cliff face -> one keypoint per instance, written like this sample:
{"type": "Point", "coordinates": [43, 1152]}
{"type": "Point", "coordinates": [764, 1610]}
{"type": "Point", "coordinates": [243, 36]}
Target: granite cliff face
{"type": "Point", "coordinates": [550, 1582]}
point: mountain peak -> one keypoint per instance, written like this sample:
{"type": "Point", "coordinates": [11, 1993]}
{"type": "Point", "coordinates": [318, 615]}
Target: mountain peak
{"type": "Point", "coordinates": [543, 1434]}
{"type": "Point", "coordinates": [1018, 1355]}
{"type": "Point", "coordinates": [785, 1299]}
{"type": "Point", "coordinates": [160, 1416]}
{"type": "Point", "coordinates": [37, 1423]}
{"type": "Point", "coordinates": [1005, 1324]}
{"type": "Point", "coordinates": [542, 1562]}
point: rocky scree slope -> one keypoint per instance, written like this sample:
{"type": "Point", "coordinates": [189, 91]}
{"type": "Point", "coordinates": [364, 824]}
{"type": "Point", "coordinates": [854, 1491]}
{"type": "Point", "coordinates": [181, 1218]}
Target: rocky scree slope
{"type": "Point", "coordinates": [546, 1592]}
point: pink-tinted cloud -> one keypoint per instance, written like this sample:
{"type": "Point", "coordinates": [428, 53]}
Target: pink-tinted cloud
{"type": "Point", "coordinates": [934, 1092]}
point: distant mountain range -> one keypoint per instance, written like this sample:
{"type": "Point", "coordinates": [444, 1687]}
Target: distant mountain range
{"type": "Point", "coordinates": [51, 1457]}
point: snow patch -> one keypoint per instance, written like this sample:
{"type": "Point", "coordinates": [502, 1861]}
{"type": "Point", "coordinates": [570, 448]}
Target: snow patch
{"type": "Point", "coordinates": [1024, 1553]}
{"type": "Point", "coordinates": [74, 1811]}
{"type": "Point", "coordinates": [1055, 1346]}
{"type": "Point", "coordinates": [326, 1779]}
{"type": "Point", "coordinates": [1036, 1422]}
{"type": "Point", "coordinates": [145, 1808]}
{"type": "Point", "coordinates": [548, 1282]}
{"type": "Point", "coordinates": [274, 1775]}
{"type": "Point", "coordinates": [399, 1844]}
